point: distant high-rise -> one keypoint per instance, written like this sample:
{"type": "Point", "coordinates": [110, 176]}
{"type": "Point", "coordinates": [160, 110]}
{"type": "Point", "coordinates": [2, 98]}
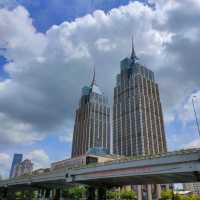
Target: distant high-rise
{"type": "Point", "coordinates": [92, 124]}
{"type": "Point", "coordinates": [24, 167]}
{"type": "Point", "coordinates": [138, 127]}
{"type": "Point", "coordinates": [17, 159]}
{"type": "Point", "coordinates": [137, 114]}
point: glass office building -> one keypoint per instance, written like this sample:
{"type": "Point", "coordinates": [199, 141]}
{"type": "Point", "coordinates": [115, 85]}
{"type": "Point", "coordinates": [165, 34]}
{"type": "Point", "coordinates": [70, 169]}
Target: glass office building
{"type": "Point", "coordinates": [138, 127]}
{"type": "Point", "coordinates": [17, 159]}
{"type": "Point", "coordinates": [92, 123]}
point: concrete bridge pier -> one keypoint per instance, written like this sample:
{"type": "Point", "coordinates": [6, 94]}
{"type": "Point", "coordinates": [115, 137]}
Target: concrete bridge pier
{"type": "Point", "coordinates": [158, 191]}
{"type": "Point", "coordinates": [10, 194]}
{"type": "Point", "coordinates": [42, 194]}
{"type": "Point", "coordinates": [4, 192]}
{"type": "Point", "coordinates": [139, 192]}
{"type": "Point", "coordinates": [39, 194]}
{"type": "Point", "coordinates": [47, 193]}
{"type": "Point", "coordinates": [30, 194]}
{"type": "Point", "coordinates": [57, 194]}
{"type": "Point", "coordinates": [96, 193]}
{"type": "Point", "coordinates": [51, 194]}
{"type": "Point", "coordinates": [90, 193]}
{"type": "Point", "coordinates": [101, 193]}
{"type": "Point", "coordinates": [61, 194]}
{"type": "Point", "coordinates": [149, 192]}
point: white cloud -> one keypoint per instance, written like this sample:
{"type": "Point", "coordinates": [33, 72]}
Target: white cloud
{"type": "Point", "coordinates": [46, 71]}
{"type": "Point", "coordinates": [187, 114]}
{"type": "Point", "coordinates": [66, 138]}
{"type": "Point", "coordinates": [104, 44]}
{"type": "Point", "coordinates": [5, 164]}
{"type": "Point", "coordinates": [40, 158]}
{"type": "Point", "coordinates": [15, 132]}
{"type": "Point", "coordinates": [169, 117]}
{"type": "Point", "coordinates": [194, 144]}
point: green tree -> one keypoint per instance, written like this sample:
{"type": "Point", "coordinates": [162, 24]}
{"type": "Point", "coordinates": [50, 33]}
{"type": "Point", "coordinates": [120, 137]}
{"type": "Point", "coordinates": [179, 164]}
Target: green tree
{"type": "Point", "coordinates": [192, 197]}
{"type": "Point", "coordinates": [124, 194]}
{"type": "Point", "coordinates": [166, 194]}
{"type": "Point", "coordinates": [77, 192]}
{"type": "Point", "coordinates": [112, 194]}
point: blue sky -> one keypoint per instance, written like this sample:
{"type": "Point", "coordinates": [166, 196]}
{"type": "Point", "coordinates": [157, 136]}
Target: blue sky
{"type": "Point", "coordinates": [44, 67]}
{"type": "Point", "coordinates": [49, 12]}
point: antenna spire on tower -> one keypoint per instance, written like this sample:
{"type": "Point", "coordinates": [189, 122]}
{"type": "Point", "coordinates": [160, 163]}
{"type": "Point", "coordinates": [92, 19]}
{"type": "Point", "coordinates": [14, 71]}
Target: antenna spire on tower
{"type": "Point", "coordinates": [94, 76]}
{"type": "Point", "coordinates": [133, 55]}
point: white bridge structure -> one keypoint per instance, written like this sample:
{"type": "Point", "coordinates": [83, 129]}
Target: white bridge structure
{"type": "Point", "coordinates": [172, 167]}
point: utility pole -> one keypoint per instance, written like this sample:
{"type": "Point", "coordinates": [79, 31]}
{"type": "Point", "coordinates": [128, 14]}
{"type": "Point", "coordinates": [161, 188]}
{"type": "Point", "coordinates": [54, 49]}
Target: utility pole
{"type": "Point", "coordinates": [195, 114]}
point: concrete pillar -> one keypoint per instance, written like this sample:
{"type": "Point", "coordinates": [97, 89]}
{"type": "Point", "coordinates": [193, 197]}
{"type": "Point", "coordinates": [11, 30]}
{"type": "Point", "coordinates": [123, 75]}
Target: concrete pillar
{"type": "Point", "coordinates": [90, 193]}
{"type": "Point", "coordinates": [11, 195]}
{"type": "Point", "coordinates": [139, 192]}
{"type": "Point", "coordinates": [57, 194]}
{"type": "Point", "coordinates": [45, 193]}
{"type": "Point", "coordinates": [61, 194]}
{"type": "Point", "coordinates": [39, 194]}
{"type": "Point", "coordinates": [101, 194]}
{"type": "Point", "coordinates": [167, 186]}
{"type": "Point", "coordinates": [5, 193]}
{"type": "Point", "coordinates": [30, 192]}
{"type": "Point", "coordinates": [158, 191]}
{"type": "Point", "coordinates": [149, 192]}
{"type": "Point", "coordinates": [52, 192]}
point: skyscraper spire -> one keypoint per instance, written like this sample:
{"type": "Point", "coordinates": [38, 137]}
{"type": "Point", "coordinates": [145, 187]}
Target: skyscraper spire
{"type": "Point", "coordinates": [94, 77]}
{"type": "Point", "coordinates": [133, 55]}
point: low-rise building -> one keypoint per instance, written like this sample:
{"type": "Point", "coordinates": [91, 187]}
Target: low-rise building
{"type": "Point", "coordinates": [86, 159]}
{"type": "Point", "coordinates": [193, 187]}
{"type": "Point", "coordinates": [41, 171]}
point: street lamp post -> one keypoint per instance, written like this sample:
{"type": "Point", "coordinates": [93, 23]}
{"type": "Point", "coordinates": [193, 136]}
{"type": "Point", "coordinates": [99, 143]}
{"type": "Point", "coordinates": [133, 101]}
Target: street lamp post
{"type": "Point", "coordinates": [195, 114]}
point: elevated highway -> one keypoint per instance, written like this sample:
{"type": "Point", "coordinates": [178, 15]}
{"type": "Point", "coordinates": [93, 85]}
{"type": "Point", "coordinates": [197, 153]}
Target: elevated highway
{"type": "Point", "coordinates": [173, 167]}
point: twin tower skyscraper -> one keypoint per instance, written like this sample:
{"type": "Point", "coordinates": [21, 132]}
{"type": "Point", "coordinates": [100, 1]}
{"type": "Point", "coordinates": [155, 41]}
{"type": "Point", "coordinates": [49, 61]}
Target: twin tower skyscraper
{"type": "Point", "coordinates": [138, 127]}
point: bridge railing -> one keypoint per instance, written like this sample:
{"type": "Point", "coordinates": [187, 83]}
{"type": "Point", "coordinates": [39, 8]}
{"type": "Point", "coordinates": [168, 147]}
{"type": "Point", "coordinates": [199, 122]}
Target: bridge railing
{"type": "Point", "coordinates": [141, 157]}
{"type": "Point", "coordinates": [117, 161]}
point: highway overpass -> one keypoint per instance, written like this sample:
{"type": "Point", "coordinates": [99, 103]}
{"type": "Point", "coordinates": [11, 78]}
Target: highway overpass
{"type": "Point", "coordinates": [173, 167]}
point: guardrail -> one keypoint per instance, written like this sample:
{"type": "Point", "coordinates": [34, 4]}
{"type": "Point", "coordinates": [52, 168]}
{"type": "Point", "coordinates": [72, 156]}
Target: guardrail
{"type": "Point", "coordinates": [137, 158]}
{"type": "Point", "coordinates": [117, 161]}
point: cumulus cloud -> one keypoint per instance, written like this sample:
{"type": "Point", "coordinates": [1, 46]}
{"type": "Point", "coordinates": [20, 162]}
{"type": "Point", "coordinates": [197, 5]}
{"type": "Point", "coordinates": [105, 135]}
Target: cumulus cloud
{"type": "Point", "coordinates": [193, 144]}
{"type": "Point", "coordinates": [66, 138]}
{"type": "Point", "coordinates": [188, 113]}
{"type": "Point", "coordinates": [47, 70]}
{"type": "Point", "coordinates": [5, 164]}
{"type": "Point", "coordinates": [39, 158]}
{"type": "Point", "coordinates": [104, 44]}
